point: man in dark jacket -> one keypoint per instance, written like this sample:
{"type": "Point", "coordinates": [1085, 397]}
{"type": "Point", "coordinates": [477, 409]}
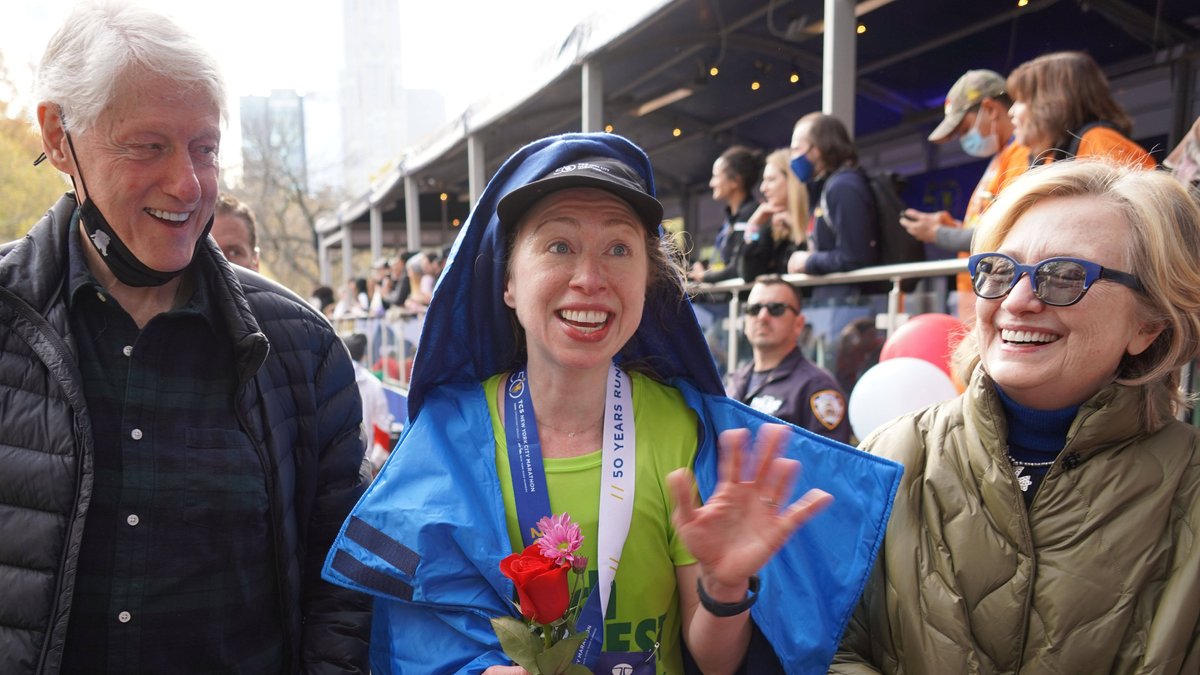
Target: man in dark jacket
{"type": "Point", "coordinates": [179, 439]}
{"type": "Point", "coordinates": [780, 381]}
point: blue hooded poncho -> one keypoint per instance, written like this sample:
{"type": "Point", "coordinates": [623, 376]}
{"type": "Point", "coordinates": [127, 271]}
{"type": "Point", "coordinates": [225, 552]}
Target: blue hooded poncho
{"type": "Point", "coordinates": [427, 537]}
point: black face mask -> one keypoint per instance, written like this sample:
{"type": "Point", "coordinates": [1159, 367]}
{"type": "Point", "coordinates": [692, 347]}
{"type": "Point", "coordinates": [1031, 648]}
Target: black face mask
{"type": "Point", "coordinates": [124, 265]}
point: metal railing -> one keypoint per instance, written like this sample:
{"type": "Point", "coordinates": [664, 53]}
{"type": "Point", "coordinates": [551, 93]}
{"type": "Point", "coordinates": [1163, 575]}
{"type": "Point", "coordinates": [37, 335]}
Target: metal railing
{"type": "Point", "coordinates": [393, 338]}
{"type": "Point", "coordinates": [895, 274]}
{"type": "Point", "coordinates": [391, 342]}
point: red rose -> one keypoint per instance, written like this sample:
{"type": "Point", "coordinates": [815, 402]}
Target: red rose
{"type": "Point", "coordinates": [541, 585]}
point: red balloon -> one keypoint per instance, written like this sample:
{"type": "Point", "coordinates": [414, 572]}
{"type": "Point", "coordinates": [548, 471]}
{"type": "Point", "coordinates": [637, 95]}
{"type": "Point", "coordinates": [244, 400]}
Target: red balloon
{"type": "Point", "coordinates": [931, 337]}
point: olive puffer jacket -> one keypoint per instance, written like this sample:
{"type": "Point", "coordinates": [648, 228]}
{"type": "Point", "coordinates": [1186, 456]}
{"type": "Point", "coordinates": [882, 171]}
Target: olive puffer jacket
{"type": "Point", "coordinates": [1100, 575]}
{"type": "Point", "coordinates": [297, 401]}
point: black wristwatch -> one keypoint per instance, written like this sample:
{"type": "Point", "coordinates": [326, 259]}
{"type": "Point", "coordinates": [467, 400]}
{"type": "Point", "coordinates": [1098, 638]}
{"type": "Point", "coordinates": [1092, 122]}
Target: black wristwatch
{"type": "Point", "coordinates": [724, 609]}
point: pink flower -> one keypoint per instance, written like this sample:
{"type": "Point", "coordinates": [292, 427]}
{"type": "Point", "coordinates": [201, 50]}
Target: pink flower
{"type": "Point", "coordinates": [560, 538]}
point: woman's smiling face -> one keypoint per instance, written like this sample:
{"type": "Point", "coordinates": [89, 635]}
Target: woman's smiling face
{"type": "Point", "coordinates": [774, 186]}
{"type": "Point", "coordinates": [1048, 357]}
{"type": "Point", "coordinates": [577, 278]}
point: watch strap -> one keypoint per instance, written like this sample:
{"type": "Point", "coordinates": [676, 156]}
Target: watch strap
{"type": "Point", "coordinates": [724, 609]}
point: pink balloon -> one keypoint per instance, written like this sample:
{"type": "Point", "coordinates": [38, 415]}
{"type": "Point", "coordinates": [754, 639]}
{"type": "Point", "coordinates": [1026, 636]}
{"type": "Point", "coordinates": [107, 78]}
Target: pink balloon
{"type": "Point", "coordinates": [929, 337]}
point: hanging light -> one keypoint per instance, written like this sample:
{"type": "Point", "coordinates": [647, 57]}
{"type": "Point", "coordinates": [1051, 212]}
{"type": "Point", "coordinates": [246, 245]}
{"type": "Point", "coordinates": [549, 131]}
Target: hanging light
{"type": "Point", "coordinates": [755, 85]}
{"type": "Point", "coordinates": [677, 132]}
{"type": "Point", "coordinates": [794, 78]}
{"type": "Point", "coordinates": [443, 196]}
{"type": "Point", "coordinates": [712, 72]}
{"type": "Point", "coordinates": [862, 28]}
{"type": "Point", "coordinates": [608, 128]}
{"type": "Point", "coordinates": [1022, 3]}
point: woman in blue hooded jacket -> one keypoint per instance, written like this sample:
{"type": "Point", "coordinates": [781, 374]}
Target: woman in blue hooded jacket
{"type": "Point", "coordinates": [561, 370]}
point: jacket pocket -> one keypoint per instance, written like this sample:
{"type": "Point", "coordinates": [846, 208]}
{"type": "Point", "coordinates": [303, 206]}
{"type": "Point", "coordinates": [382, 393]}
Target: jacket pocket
{"type": "Point", "coordinates": [226, 485]}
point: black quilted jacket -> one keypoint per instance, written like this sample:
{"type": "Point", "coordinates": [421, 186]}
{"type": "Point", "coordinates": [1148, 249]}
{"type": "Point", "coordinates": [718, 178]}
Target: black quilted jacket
{"type": "Point", "coordinates": [297, 401]}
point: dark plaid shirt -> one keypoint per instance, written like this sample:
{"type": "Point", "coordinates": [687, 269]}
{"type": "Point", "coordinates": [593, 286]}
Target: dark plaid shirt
{"type": "Point", "coordinates": [175, 569]}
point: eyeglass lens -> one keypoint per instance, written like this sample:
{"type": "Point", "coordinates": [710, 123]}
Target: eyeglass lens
{"type": "Point", "coordinates": [773, 308]}
{"type": "Point", "coordinates": [1055, 282]}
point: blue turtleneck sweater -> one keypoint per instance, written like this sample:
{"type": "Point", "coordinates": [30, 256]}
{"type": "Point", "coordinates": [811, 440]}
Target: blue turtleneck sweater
{"type": "Point", "coordinates": [1035, 437]}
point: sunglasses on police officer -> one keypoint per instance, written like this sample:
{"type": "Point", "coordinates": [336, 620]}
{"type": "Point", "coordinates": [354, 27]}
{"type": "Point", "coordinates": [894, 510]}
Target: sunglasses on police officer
{"type": "Point", "coordinates": [773, 308]}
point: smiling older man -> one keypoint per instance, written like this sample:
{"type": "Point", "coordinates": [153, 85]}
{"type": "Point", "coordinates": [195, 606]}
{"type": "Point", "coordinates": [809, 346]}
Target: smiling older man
{"type": "Point", "coordinates": [181, 438]}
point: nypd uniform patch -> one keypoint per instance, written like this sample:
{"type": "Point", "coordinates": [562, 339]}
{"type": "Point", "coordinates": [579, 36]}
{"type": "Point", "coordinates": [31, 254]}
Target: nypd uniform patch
{"type": "Point", "coordinates": [828, 407]}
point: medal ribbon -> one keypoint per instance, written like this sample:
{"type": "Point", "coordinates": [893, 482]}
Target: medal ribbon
{"type": "Point", "coordinates": [616, 488]}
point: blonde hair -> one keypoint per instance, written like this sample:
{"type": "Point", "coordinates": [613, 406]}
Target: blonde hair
{"type": "Point", "coordinates": [1163, 251]}
{"type": "Point", "coordinates": [797, 206]}
{"type": "Point", "coordinates": [797, 200]}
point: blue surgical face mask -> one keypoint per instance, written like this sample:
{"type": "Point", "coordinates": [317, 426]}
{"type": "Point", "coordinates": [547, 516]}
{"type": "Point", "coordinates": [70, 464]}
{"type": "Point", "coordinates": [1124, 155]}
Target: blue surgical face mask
{"type": "Point", "coordinates": [975, 143]}
{"type": "Point", "coordinates": [802, 168]}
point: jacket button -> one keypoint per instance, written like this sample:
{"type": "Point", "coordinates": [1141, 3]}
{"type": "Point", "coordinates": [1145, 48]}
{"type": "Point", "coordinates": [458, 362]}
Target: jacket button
{"type": "Point", "coordinates": [124, 617]}
{"type": "Point", "coordinates": [136, 434]}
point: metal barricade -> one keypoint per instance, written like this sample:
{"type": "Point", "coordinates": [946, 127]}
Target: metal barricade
{"type": "Point", "coordinates": [888, 321]}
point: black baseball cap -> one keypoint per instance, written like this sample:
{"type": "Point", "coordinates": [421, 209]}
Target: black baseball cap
{"type": "Point", "coordinates": [604, 173]}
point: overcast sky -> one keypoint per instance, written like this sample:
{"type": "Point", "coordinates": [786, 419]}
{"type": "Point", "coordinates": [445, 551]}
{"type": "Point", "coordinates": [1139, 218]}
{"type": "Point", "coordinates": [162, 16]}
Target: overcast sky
{"type": "Point", "coordinates": [296, 44]}
{"type": "Point", "coordinates": [461, 48]}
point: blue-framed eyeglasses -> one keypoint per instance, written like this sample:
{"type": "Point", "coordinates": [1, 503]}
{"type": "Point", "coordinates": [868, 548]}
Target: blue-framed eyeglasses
{"type": "Point", "coordinates": [1056, 281]}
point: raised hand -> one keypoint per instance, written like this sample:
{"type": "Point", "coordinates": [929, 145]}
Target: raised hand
{"type": "Point", "coordinates": [924, 226]}
{"type": "Point", "coordinates": [745, 521]}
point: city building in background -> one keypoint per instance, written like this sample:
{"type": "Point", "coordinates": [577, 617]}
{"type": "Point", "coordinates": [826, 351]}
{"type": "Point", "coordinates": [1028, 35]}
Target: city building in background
{"type": "Point", "coordinates": [273, 135]}
{"type": "Point", "coordinates": [379, 117]}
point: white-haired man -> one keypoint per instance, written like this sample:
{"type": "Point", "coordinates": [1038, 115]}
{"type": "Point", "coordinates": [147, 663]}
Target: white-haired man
{"type": "Point", "coordinates": [181, 437]}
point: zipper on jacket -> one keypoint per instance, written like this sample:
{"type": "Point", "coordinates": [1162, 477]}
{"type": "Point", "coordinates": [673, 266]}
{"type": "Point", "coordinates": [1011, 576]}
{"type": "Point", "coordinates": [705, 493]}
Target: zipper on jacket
{"type": "Point", "coordinates": [268, 466]}
{"type": "Point", "coordinates": [57, 347]}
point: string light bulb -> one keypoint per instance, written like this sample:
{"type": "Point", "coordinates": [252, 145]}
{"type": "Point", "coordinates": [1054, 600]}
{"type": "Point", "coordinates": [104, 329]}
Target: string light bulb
{"type": "Point", "coordinates": [712, 72]}
{"type": "Point", "coordinates": [795, 77]}
{"type": "Point", "coordinates": [677, 132]}
{"type": "Point", "coordinates": [1022, 3]}
{"type": "Point", "coordinates": [456, 222]}
{"type": "Point", "coordinates": [443, 196]}
{"type": "Point", "coordinates": [608, 128]}
{"type": "Point", "coordinates": [754, 86]}
{"type": "Point", "coordinates": [862, 27]}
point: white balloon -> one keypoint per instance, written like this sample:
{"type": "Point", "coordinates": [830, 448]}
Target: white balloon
{"type": "Point", "coordinates": [894, 387]}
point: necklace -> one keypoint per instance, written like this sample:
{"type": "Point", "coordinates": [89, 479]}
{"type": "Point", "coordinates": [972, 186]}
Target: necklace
{"type": "Point", "coordinates": [1030, 465]}
{"type": "Point", "coordinates": [1024, 482]}
{"type": "Point", "coordinates": [572, 434]}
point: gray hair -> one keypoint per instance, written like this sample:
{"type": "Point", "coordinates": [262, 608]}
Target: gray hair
{"type": "Point", "coordinates": [102, 41]}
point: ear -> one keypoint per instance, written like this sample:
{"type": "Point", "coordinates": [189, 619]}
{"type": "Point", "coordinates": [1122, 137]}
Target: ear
{"type": "Point", "coordinates": [509, 299]}
{"type": "Point", "coordinates": [54, 137]}
{"type": "Point", "coordinates": [1146, 335]}
{"type": "Point", "coordinates": [798, 326]}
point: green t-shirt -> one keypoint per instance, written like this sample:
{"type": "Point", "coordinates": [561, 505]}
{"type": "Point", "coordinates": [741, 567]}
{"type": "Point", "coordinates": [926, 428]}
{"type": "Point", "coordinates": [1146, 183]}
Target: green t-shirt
{"type": "Point", "coordinates": [644, 607]}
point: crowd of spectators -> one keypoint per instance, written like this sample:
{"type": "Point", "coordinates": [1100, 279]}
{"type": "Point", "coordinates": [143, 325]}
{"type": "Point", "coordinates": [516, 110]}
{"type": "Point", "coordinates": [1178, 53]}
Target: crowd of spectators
{"type": "Point", "coordinates": [815, 212]}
